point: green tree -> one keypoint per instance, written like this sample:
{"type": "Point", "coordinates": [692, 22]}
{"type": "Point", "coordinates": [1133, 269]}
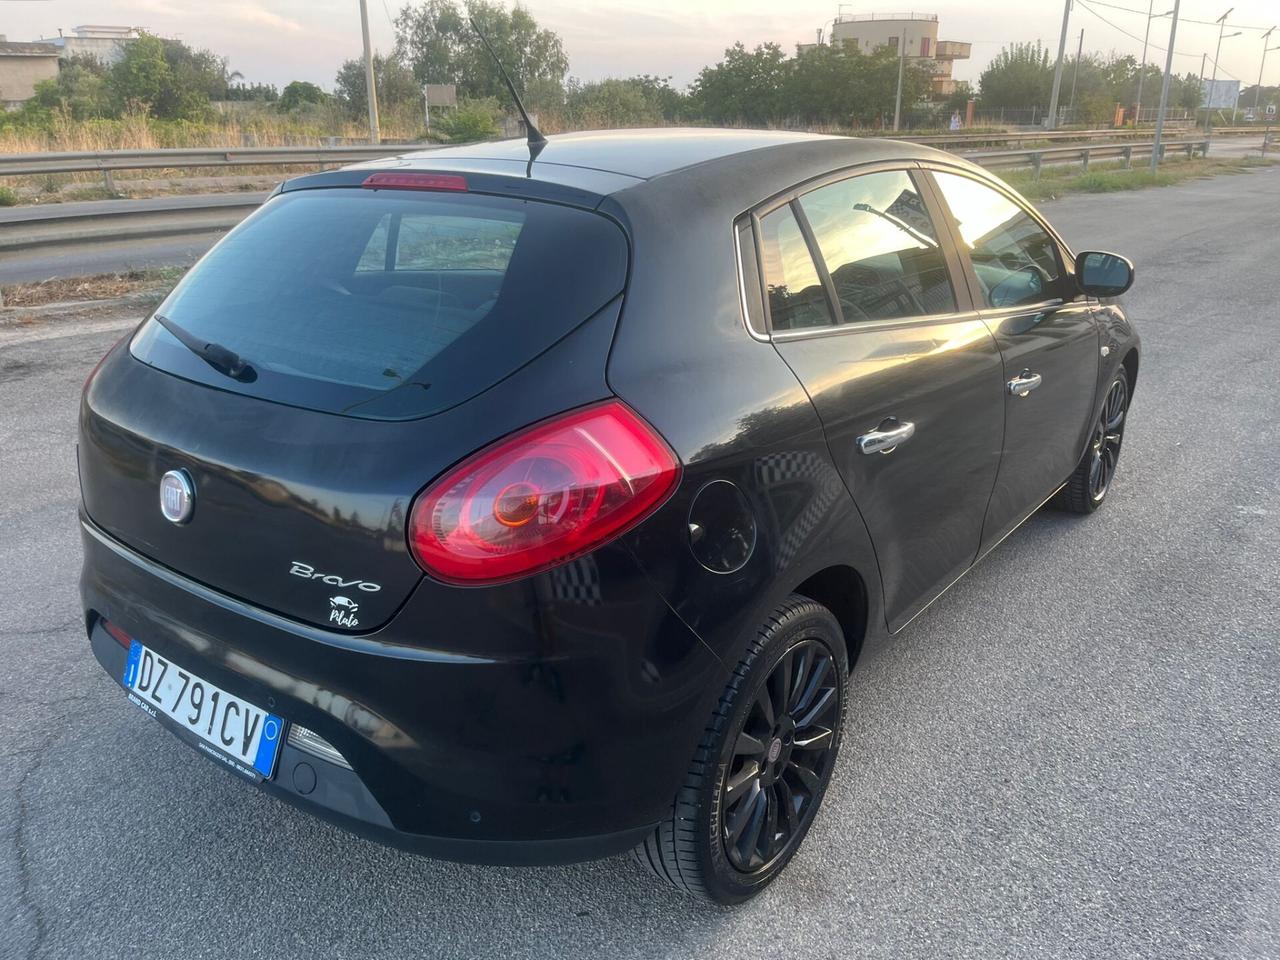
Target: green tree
{"type": "Point", "coordinates": [1020, 77]}
{"type": "Point", "coordinates": [439, 45]}
{"type": "Point", "coordinates": [80, 91]}
{"type": "Point", "coordinates": [141, 75]}
{"type": "Point", "coordinates": [167, 79]}
{"type": "Point", "coordinates": [301, 92]}
{"type": "Point", "coordinates": [394, 81]}
{"type": "Point", "coordinates": [631, 102]}
{"type": "Point", "coordinates": [746, 87]}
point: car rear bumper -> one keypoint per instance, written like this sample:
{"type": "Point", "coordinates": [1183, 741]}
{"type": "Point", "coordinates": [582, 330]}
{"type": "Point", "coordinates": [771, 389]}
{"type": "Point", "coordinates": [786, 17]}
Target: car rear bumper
{"type": "Point", "coordinates": [564, 740]}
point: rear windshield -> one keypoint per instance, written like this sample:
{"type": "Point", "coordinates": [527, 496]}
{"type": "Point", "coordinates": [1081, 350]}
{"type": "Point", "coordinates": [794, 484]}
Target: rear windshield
{"type": "Point", "coordinates": [388, 303]}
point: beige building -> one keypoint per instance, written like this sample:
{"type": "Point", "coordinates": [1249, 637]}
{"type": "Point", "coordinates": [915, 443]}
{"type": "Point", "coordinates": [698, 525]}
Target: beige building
{"type": "Point", "coordinates": [22, 66]}
{"type": "Point", "coordinates": [919, 33]}
{"type": "Point", "coordinates": [104, 43]}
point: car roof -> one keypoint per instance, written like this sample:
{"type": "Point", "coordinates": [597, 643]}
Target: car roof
{"type": "Point", "coordinates": [639, 154]}
{"type": "Point", "coordinates": [586, 167]}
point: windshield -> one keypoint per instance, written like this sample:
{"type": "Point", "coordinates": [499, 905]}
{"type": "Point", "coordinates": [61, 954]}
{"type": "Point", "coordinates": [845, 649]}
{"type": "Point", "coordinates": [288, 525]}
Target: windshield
{"type": "Point", "coordinates": [388, 303]}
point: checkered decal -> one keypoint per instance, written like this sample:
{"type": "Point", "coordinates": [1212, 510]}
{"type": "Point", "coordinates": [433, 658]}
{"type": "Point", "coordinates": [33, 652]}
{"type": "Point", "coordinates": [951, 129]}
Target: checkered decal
{"type": "Point", "coordinates": [800, 465]}
{"type": "Point", "coordinates": [577, 582]}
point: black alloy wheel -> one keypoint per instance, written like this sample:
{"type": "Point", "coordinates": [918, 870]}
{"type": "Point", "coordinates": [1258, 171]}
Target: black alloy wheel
{"type": "Point", "coordinates": [1104, 449]}
{"type": "Point", "coordinates": [1088, 486]}
{"type": "Point", "coordinates": [781, 758]}
{"type": "Point", "coordinates": [764, 762]}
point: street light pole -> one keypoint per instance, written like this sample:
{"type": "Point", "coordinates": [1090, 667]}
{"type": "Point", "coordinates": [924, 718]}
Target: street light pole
{"type": "Point", "coordinates": [902, 60]}
{"type": "Point", "coordinates": [1057, 70]}
{"type": "Point", "coordinates": [1075, 75]}
{"type": "Point", "coordinates": [1222, 25]}
{"type": "Point", "coordinates": [1257, 93]}
{"type": "Point", "coordinates": [1142, 67]}
{"type": "Point", "coordinates": [375, 136]}
{"type": "Point", "coordinates": [1164, 88]}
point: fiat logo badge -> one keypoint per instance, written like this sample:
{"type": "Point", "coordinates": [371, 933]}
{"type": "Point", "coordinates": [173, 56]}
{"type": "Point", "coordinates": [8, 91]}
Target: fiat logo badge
{"type": "Point", "coordinates": [177, 496]}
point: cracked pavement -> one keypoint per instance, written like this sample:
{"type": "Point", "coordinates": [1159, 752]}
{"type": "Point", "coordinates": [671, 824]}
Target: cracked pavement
{"type": "Point", "coordinates": [1075, 753]}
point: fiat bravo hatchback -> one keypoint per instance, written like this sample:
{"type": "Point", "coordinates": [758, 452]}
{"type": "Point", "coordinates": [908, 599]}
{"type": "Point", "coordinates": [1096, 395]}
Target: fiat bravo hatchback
{"type": "Point", "coordinates": [530, 507]}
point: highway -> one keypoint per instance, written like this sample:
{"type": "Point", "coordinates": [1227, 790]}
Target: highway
{"type": "Point", "coordinates": [1075, 753]}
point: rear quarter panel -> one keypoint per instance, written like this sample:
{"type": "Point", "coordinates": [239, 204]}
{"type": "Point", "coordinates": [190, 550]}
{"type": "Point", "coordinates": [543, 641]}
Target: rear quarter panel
{"type": "Point", "coordinates": [731, 409]}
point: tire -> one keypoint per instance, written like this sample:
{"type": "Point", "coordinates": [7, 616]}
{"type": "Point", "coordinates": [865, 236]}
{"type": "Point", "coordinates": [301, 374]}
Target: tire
{"type": "Point", "coordinates": [797, 658]}
{"type": "Point", "coordinates": [1087, 487]}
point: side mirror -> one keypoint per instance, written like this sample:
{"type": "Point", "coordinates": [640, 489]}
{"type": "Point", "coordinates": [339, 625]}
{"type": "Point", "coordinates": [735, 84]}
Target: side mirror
{"type": "Point", "coordinates": [1103, 274]}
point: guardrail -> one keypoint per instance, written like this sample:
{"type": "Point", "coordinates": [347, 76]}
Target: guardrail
{"type": "Point", "coordinates": [110, 161]}
{"type": "Point", "coordinates": [1036, 159]}
{"type": "Point", "coordinates": [62, 224]}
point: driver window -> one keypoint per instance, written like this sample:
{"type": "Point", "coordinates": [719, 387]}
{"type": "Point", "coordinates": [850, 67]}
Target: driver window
{"type": "Point", "coordinates": [1015, 260]}
{"type": "Point", "coordinates": [880, 247]}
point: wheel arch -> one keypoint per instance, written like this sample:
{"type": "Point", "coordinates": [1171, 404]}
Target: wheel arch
{"type": "Point", "coordinates": [1130, 363]}
{"type": "Point", "coordinates": [842, 590]}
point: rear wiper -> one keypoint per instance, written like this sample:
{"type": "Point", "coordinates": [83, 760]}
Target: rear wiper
{"type": "Point", "coordinates": [225, 361]}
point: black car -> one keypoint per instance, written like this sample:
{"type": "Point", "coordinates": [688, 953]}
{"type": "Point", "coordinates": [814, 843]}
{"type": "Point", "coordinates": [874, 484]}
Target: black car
{"type": "Point", "coordinates": [520, 510]}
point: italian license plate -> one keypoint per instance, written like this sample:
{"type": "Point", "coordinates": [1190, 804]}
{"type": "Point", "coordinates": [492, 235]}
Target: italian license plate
{"type": "Point", "coordinates": [234, 731]}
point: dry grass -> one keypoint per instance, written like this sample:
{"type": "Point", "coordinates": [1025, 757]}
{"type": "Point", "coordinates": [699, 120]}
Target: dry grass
{"type": "Point", "coordinates": [102, 286]}
{"type": "Point", "coordinates": [140, 133]}
{"type": "Point", "coordinates": [1107, 178]}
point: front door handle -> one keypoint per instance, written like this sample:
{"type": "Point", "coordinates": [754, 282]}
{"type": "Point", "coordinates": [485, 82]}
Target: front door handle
{"type": "Point", "coordinates": [886, 437]}
{"type": "Point", "coordinates": [1024, 383]}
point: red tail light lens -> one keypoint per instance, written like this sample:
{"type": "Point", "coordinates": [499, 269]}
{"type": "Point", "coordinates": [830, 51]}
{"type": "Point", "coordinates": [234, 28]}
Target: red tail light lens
{"type": "Point", "coordinates": [543, 496]}
{"type": "Point", "coordinates": [415, 181]}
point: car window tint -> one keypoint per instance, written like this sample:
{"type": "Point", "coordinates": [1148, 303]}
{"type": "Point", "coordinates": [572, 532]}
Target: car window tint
{"type": "Point", "coordinates": [1015, 259]}
{"type": "Point", "coordinates": [797, 299]}
{"type": "Point", "coordinates": [880, 247]}
{"type": "Point", "coordinates": [389, 302]}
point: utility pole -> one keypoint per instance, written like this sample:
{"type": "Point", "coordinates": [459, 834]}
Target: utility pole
{"type": "Point", "coordinates": [375, 136]}
{"type": "Point", "coordinates": [1075, 75]}
{"type": "Point", "coordinates": [1203, 57]}
{"type": "Point", "coordinates": [1164, 88]}
{"type": "Point", "coordinates": [1057, 71]}
{"type": "Point", "coordinates": [1142, 67]}
{"type": "Point", "coordinates": [1222, 25]}
{"type": "Point", "coordinates": [902, 61]}
{"type": "Point", "coordinates": [1257, 94]}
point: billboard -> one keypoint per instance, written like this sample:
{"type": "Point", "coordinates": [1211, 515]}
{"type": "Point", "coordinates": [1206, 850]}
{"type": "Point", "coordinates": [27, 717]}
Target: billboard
{"type": "Point", "coordinates": [1219, 94]}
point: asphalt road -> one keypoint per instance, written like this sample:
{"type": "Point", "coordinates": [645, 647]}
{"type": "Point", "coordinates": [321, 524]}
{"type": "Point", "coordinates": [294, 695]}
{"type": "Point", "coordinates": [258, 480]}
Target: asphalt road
{"type": "Point", "coordinates": [1076, 753]}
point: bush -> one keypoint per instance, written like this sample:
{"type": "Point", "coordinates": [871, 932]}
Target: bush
{"type": "Point", "coordinates": [473, 120]}
{"type": "Point", "coordinates": [8, 198]}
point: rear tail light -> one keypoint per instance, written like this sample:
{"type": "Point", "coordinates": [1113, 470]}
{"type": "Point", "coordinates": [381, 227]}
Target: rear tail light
{"type": "Point", "coordinates": [542, 497]}
{"type": "Point", "coordinates": [415, 181]}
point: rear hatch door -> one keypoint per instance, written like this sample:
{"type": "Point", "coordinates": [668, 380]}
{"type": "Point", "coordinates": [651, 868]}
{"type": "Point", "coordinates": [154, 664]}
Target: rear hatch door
{"type": "Point", "coordinates": [366, 321]}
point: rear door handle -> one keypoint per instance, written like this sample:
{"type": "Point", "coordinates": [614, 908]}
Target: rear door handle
{"type": "Point", "coordinates": [1024, 383]}
{"type": "Point", "coordinates": [885, 438]}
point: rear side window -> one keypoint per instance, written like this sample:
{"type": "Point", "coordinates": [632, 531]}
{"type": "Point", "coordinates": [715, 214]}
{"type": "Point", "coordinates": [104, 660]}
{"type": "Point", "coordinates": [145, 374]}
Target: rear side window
{"type": "Point", "coordinates": [1014, 258]}
{"type": "Point", "coordinates": [797, 298]}
{"type": "Point", "coordinates": [880, 247]}
{"type": "Point", "coordinates": [389, 303]}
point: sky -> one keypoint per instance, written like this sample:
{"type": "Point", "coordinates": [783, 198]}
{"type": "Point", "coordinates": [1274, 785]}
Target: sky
{"type": "Point", "coordinates": [275, 41]}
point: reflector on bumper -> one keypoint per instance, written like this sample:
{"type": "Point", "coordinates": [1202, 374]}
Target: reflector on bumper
{"type": "Point", "coordinates": [311, 742]}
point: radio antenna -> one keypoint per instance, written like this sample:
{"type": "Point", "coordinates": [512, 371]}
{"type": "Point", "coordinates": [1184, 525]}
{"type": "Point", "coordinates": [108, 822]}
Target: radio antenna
{"type": "Point", "coordinates": [536, 140]}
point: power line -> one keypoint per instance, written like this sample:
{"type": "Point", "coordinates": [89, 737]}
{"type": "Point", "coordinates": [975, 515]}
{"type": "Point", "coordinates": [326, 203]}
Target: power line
{"type": "Point", "coordinates": [1134, 36]}
{"type": "Point", "coordinates": [1207, 23]}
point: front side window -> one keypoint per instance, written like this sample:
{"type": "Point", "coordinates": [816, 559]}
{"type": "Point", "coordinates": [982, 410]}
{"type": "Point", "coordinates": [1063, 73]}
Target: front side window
{"type": "Point", "coordinates": [880, 247]}
{"type": "Point", "coordinates": [797, 299]}
{"type": "Point", "coordinates": [1014, 258]}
